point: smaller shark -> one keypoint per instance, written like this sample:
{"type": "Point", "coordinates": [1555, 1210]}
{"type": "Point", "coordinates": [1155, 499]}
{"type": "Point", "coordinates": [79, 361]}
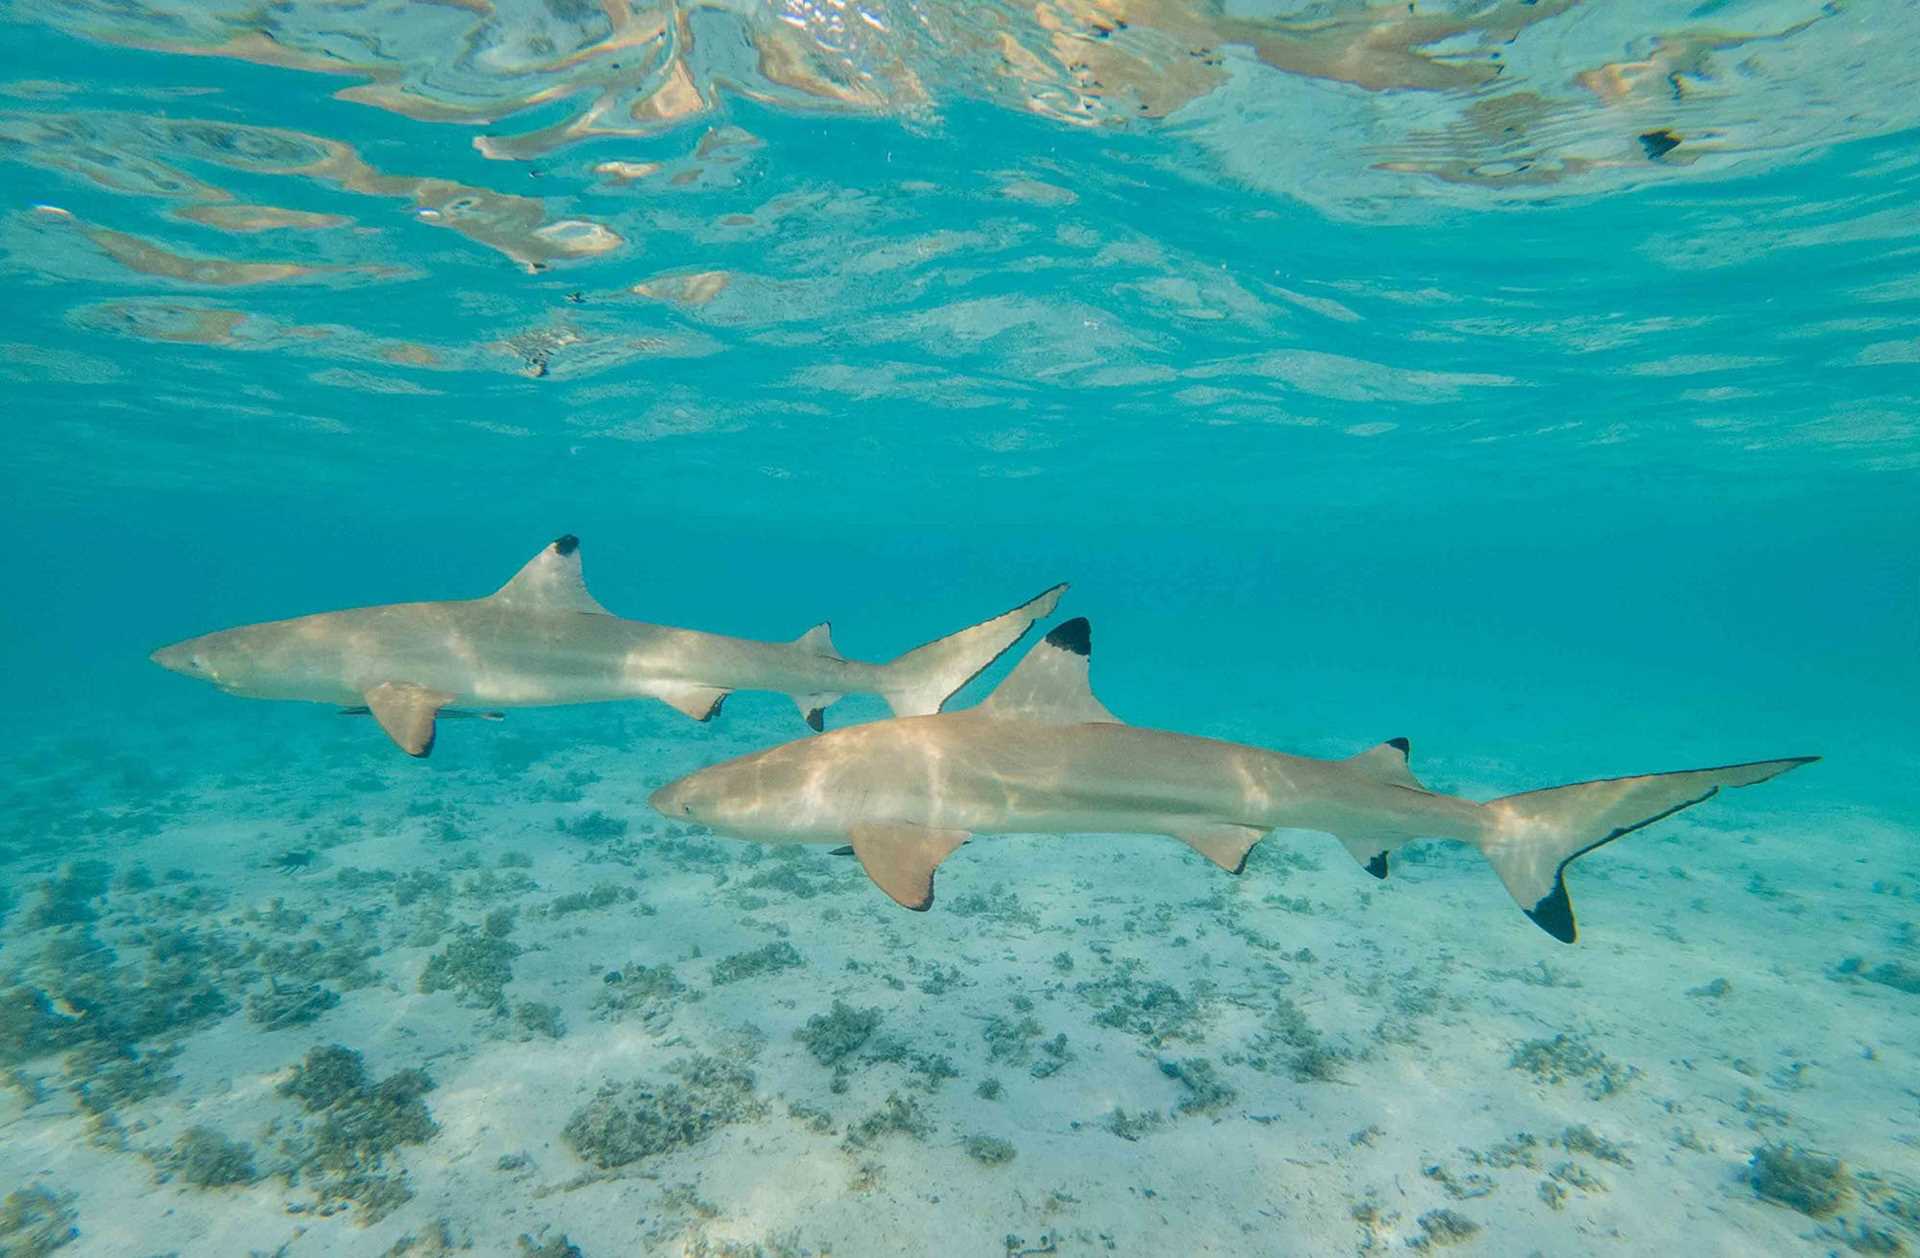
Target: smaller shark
{"type": "Point", "coordinates": [542, 640]}
{"type": "Point", "coordinates": [1042, 754]}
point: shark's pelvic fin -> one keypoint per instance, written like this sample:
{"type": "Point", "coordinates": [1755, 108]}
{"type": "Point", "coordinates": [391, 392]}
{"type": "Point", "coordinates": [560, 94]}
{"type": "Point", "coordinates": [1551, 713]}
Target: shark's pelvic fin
{"type": "Point", "coordinates": [1531, 838]}
{"type": "Point", "coordinates": [407, 713]}
{"type": "Point", "coordinates": [551, 581]}
{"type": "Point", "coordinates": [819, 640]}
{"type": "Point", "coordinates": [1051, 684]}
{"type": "Point", "coordinates": [813, 708]}
{"type": "Point", "coordinates": [901, 858]}
{"type": "Point", "coordinates": [698, 702]}
{"type": "Point", "coordinates": [1387, 763]}
{"type": "Point", "coordinates": [920, 682]}
{"type": "Point", "coordinates": [1225, 844]}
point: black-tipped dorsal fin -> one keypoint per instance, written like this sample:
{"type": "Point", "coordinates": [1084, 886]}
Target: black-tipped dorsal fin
{"type": "Point", "coordinates": [551, 581]}
{"type": "Point", "coordinates": [1387, 763]}
{"type": "Point", "coordinates": [1051, 683]}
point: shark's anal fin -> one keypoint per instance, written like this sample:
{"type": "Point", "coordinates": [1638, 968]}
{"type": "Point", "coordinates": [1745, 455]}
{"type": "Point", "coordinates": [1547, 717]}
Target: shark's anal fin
{"type": "Point", "coordinates": [1371, 853]}
{"type": "Point", "coordinates": [901, 857]}
{"type": "Point", "coordinates": [813, 709]}
{"type": "Point", "coordinates": [698, 702]}
{"type": "Point", "coordinates": [1225, 844]}
{"type": "Point", "coordinates": [407, 713]}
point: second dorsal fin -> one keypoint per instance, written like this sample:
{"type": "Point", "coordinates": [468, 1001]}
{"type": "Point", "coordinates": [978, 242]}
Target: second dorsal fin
{"type": "Point", "coordinates": [1387, 762]}
{"type": "Point", "coordinates": [819, 640]}
{"type": "Point", "coordinates": [551, 581]}
{"type": "Point", "coordinates": [1051, 683]}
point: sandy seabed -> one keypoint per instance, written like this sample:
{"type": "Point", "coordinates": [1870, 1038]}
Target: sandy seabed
{"type": "Point", "coordinates": [272, 988]}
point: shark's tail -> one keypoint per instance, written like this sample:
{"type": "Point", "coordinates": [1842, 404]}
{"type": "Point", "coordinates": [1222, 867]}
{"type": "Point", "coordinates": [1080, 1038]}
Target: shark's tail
{"type": "Point", "coordinates": [1531, 838]}
{"type": "Point", "coordinates": [919, 682]}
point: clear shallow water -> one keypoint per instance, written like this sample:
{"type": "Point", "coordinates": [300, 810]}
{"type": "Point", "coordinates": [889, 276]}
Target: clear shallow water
{"type": "Point", "coordinates": [1360, 390]}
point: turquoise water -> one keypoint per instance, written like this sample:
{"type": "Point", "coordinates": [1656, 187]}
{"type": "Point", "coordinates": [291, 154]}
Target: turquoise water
{"type": "Point", "coordinates": [1536, 383]}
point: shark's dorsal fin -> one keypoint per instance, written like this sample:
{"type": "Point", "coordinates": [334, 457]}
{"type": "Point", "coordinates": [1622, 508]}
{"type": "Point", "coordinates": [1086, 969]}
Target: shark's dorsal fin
{"type": "Point", "coordinates": [900, 858]}
{"type": "Point", "coordinates": [1387, 763]}
{"type": "Point", "coordinates": [1051, 684]}
{"type": "Point", "coordinates": [819, 641]}
{"type": "Point", "coordinates": [407, 713]}
{"type": "Point", "coordinates": [551, 581]}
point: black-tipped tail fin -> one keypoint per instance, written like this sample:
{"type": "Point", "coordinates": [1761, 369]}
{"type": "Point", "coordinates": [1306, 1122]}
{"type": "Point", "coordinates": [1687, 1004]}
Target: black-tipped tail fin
{"type": "Point", "coordinates": [1531, 838]}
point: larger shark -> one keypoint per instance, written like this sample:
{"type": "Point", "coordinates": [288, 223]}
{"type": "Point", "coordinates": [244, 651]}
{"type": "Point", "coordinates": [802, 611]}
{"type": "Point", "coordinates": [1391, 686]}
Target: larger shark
{"type": "Point", "coordinates": [542, 639]}
{"type": "Point", "coordinates": [1041, 754]}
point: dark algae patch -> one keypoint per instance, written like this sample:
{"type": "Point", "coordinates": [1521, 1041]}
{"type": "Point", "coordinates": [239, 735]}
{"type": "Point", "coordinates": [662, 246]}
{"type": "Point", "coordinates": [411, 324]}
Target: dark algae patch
{"type": "Point", "coordinates": [360, 1123]}
{"type": "Point", "coordinates": [833, 1036]}
{"type": "Point", "coordinates": [278, 1008]}
{"type": "Point", "coordinates": [476, 967]}
{"type": "Point", "coordinates": [1444, 1227]}
{"type": "Point", "coordinates": [1568, 1057]}
{"type": "Point", "coordinates": [1206, 1091]}
{"type": "Point", "coordinates": [770, 959]}
{"type": "Point", "coordinates": [1790, 1176]}
{"type": "Point", "coordinates": [990, 1150]}
{"type": "Point", "coordinates": [206, 1159]}
{"type": "Point", "coordinates": [35, 1221]}
{"type": "Point", "coordinates": [626, 1122]}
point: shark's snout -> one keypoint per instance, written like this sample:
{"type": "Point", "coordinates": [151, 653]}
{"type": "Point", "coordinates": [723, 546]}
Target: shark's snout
{"type": "Point", "coordinates": [673, 800]}
{"type": "Point", "coordinates": [183, 658]}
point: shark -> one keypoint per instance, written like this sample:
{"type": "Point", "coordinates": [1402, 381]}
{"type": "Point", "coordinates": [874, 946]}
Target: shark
{"type": "Point", "coordinates": [1042, 755]}
{"type": "Point", "coordinates": [542, 639]}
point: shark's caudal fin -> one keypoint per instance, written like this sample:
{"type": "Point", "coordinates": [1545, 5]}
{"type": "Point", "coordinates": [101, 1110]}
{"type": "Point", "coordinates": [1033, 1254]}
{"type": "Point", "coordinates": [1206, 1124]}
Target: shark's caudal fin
{"type": "Point", "coordinates": [921, 681]}
{"type": "Point", "coordinates": [1531, 838]}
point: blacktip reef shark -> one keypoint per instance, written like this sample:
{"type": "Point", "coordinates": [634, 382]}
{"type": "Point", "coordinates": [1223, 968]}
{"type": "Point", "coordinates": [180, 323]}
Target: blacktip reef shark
{"type": "Point", "coordinates": [543, 640]}
{"type": "Point", "coordinates": [1041, 754]}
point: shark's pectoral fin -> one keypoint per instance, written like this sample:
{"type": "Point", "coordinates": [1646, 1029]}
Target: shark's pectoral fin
{"type": "Point", "coordinates": [813, 709]}
{"type": "Point", "coordinates": [1370, 852]}
{"type": "Point", "coordinates": [407, 713]}
{"type": "Point", "coordinates": [901, 857]}
{"type": "Point", "coordinates": [1225, 845]}
{"type": "Point", "coordinates": [698, 702]}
